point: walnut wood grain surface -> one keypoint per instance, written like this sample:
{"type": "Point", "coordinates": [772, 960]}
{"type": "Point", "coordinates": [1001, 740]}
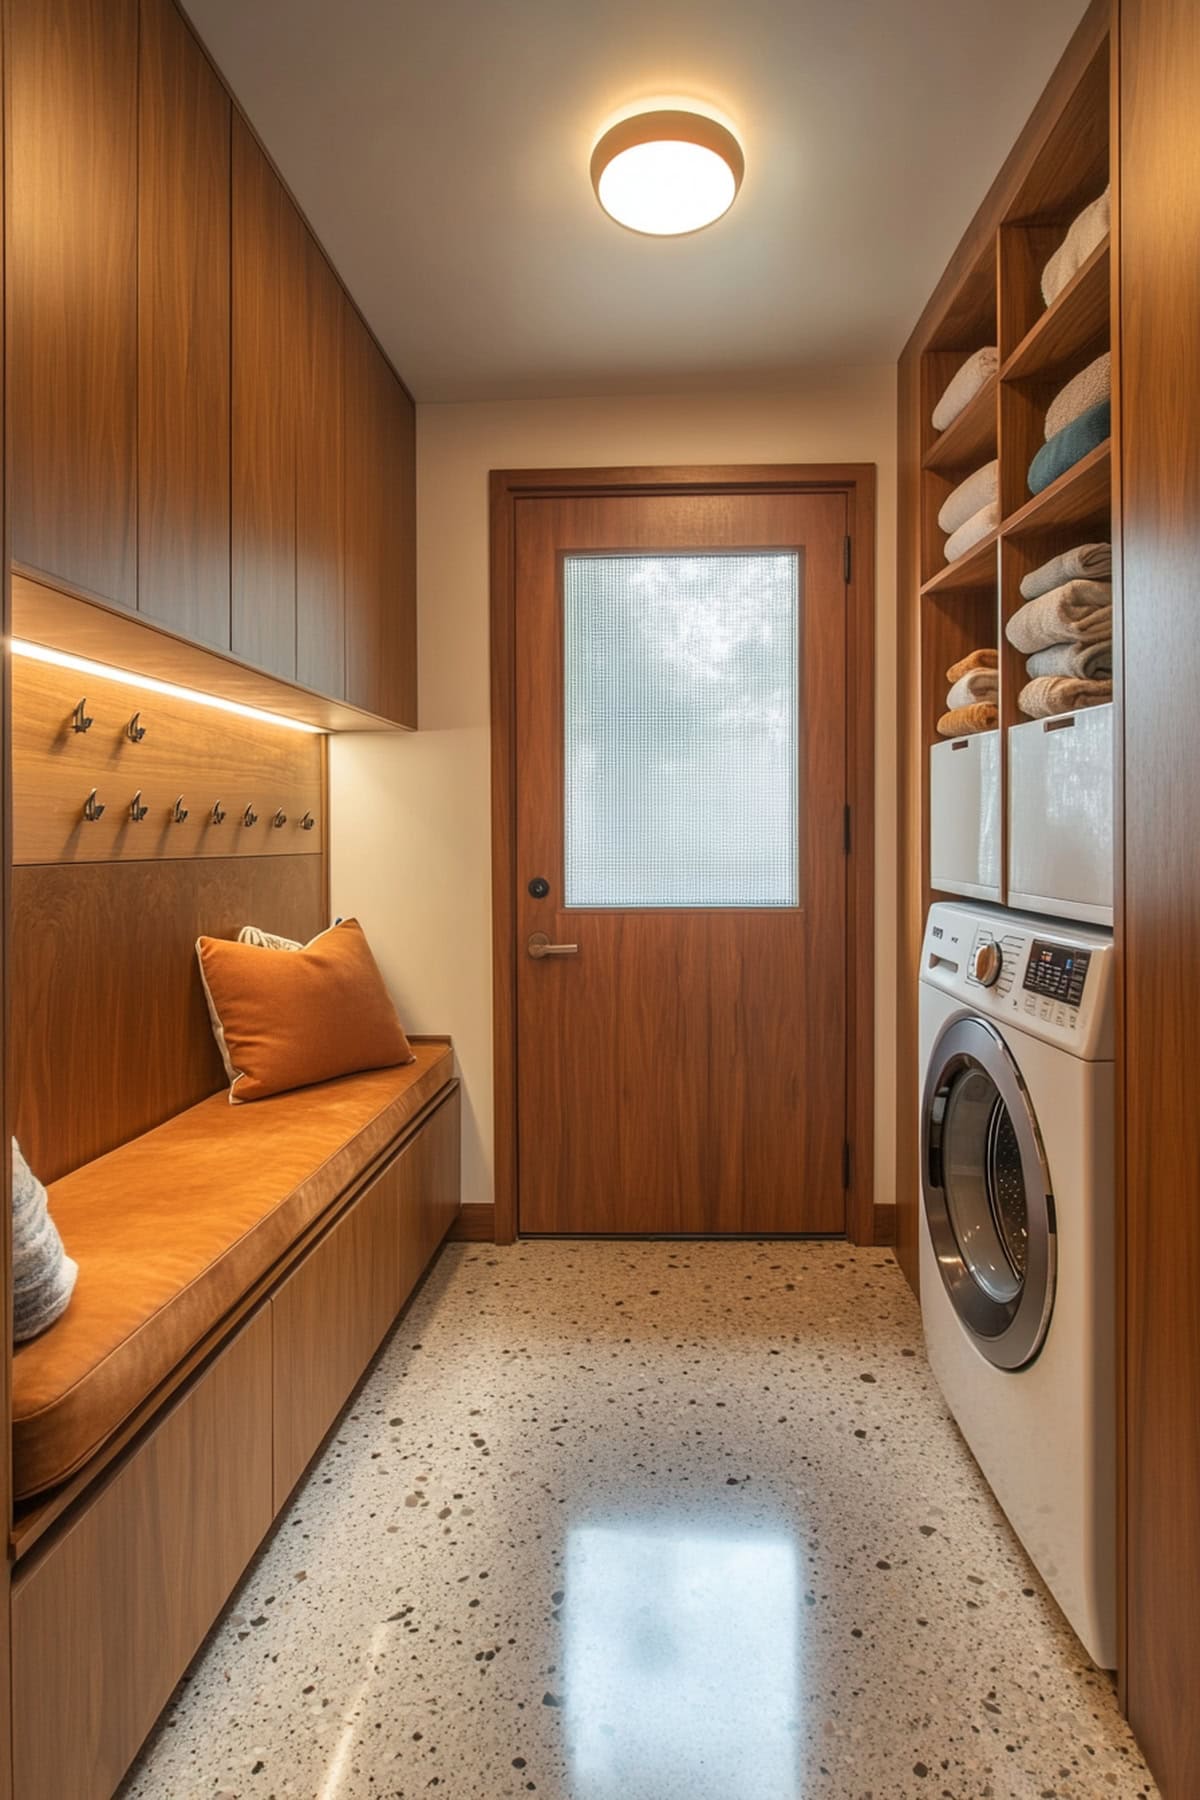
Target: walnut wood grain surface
{"type": "Point", "coordinates": [188, 751]}
{"type": "Point", "coordinates": [110, 1033]}
{"type": "Point", "coordinates": [183, 331]}
{"type": "Point", "coordinates": [686, 1072]}
{"type": "Point", "coordinates": [107, 1618]}
{"type": "Point", "coordinates": [1159, 73]}
{"type": "Point", "coordinates": [72, 290]}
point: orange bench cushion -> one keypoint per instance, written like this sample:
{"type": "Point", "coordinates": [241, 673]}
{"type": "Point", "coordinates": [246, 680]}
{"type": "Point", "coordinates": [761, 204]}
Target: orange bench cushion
{"type": "Point", "coordinates": [171, 1230]}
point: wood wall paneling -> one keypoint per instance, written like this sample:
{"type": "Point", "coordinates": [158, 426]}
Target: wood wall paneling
{"type": "Point", "coordinates": [72, 291]}
{"type": "Point", "coordinates": [110, 1033]}
{"type": "Point", "coordinates": [183, 331]}
{"type": "Point", "coordinates": [268, 249]}
{"type": "Point", "coordinates": [1159, 227]}
{"type": "Point", "coordinates": [107, 1618]}
{"type": "Point", "coordinates": [380, 450]}
{"type": "Point", "coordinates": [188, 751]}
{"type": "Point", "coordinates": [320, 481]}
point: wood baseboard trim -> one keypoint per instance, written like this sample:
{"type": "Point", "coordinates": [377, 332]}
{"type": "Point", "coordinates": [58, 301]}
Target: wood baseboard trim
{"type": "Point", "coordinates": [476, 1224]}
{"type": "Point", "coordinates": [885, 1223]}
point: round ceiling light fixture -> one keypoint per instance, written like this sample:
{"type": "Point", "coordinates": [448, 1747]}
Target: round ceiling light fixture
{"type": "Point", "coordinates": [667, 173]}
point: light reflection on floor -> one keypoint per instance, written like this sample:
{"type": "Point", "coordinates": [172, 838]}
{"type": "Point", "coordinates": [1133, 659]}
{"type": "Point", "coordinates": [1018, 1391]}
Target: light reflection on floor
{"type": "Point", "coordinates": [681, 1663]}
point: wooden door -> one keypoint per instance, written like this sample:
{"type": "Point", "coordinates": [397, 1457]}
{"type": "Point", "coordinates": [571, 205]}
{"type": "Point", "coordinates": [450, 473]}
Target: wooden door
{"type": "Point", "coordinates": [680, 804]}
{"type": "Point", "coordinates": [267, 310]}
{"type": "Point", "coordinates": [320, 479]}
{"type": "Point", "coordinates": [183, 332]}
{"type": "Point", "coordinates": [72, 291]}
{"type": "Point", "coordinates": [381, 632]}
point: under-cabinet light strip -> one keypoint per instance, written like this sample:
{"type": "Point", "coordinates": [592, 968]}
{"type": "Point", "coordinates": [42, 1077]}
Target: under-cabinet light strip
{"type": "Point", "coordinates": [61, 659]}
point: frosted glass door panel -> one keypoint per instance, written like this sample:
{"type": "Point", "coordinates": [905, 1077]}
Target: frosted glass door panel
{"type": "Point", "coordinates": [681, 701]}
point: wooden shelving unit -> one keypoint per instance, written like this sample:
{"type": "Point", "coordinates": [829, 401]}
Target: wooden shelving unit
{"type": "Point", "coordinates": [965, 605]}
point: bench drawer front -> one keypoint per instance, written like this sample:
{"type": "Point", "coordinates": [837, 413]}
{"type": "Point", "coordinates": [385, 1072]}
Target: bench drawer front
{"type": "Point", "coordinates": [332, 1312]}
{"type": "Point", "coordinates": [105, 1623]}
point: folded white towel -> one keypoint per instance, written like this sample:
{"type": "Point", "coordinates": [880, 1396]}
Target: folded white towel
{"type": "Point", "coordinates": [1092, 661]}
{"type": "Point", "coordinates": [970, 496]}
{"type": "Point", "coordinates": [1088, 388]}
{"type": "Point", "coordinates": [963, 386]}
{"type": "Point", "coordinates": [980, 684]}
{"type": "Point", "coordinates": [975, 528]}
{"type": "Point", "coordinates": [1090, 228]}
{"type": "Point", "coordinates": [1079, 612]}
{"type": "Point", "coordinates": [43, 1275]}
{"type": "Point", "coordinates": [1088, 562]}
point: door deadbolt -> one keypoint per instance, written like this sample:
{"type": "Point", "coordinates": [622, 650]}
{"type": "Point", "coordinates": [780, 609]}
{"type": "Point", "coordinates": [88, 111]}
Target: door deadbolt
{"type": "Point", "coordinates": [539, 887]}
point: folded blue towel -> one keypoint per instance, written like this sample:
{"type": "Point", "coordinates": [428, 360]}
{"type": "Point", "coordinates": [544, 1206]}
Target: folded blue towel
{"type": "Point", "coordinates": [1070, 445]}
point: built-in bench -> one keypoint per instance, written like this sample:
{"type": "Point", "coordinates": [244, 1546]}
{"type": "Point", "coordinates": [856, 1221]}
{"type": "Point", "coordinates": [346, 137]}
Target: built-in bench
{"type": "Point", "coordinates": [239, 1266]}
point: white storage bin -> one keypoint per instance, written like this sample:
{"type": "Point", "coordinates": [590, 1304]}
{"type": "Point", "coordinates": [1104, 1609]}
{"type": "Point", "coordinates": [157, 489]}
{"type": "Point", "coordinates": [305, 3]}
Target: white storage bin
{"type": "Point", "coordinates": [964, 815]}
{"type": "Point", "coordinates": [1060, 815]}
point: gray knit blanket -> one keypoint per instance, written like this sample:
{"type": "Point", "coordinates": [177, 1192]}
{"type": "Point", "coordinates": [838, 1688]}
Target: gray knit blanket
{"type": "Point", "coordinates": [43, 1273]}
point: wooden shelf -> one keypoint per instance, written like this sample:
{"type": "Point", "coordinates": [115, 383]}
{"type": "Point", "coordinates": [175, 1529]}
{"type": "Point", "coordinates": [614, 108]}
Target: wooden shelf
{"type": "Point", "coordinates": [977, 569]}
{"type": "Point", "coordinates": [970, 439]}
{"type": "Point", "coordinates": [1082, 496]}
{"type": "Point", "coordinates": [1076, 320]}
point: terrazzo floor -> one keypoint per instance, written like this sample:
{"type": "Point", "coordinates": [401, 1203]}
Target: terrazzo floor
{"type": "Point", "coordinates": [658, 1521]}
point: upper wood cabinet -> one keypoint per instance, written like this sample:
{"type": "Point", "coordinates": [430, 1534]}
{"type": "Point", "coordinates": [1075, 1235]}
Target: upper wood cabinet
{"type": "Point", "coordinates": [183, 332]}
{"type": "Point", "coordinates": [320, 480]}
{"type": "Point", "coordinates": [381, 620]}
{"type": "Point", "coordinates": [268, 252]}
{"type": "Point", "coordinates": [201, 427]}
{"type": "Point", "coordinates": [72, 291]}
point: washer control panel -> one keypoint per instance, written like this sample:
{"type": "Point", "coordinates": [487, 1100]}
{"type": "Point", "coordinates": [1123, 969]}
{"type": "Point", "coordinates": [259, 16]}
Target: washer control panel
{"type": "Point", "coordinates": [1052, 980]}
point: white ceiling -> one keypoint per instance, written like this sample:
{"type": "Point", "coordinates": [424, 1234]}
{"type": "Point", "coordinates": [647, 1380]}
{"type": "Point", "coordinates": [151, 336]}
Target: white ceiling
{"type": "Point", "coordinates": [440, 149]}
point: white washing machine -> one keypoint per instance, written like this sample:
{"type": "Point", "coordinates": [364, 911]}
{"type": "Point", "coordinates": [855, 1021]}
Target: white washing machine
{"type": "Point", "coordinates": [1017, 1251]}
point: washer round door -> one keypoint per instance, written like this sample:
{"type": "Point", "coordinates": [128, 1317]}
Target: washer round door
{"type": "Point", "coordinates": [986, 1189]}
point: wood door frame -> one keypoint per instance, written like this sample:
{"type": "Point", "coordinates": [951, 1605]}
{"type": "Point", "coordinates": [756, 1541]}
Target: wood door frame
{"type": "Point", "coordinates": [857, 482]}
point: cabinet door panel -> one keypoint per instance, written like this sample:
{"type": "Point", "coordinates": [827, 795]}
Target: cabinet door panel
{"type": "Point", "coordinates": [320, 471]}
{"type": "Point", "coordinates": [72, 291]}
{"type": "Point", "coordinates": [380, 533]}
{"type": "Point", "coordinates": [183, 332]}
{"type": "Point", "coordinates": [267, 260]}
{"type": "Point", "coordinates": [106, 1621]}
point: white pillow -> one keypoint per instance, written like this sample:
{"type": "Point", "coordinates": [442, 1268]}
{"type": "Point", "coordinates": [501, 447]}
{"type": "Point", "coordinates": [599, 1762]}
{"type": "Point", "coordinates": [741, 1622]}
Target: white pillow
{"type": "Point", "coordinates": [43, 1274]}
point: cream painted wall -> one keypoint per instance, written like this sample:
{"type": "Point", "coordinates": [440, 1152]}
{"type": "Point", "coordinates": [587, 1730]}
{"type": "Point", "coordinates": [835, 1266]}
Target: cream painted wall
{"type": "Point", "coordinates": [410, 847]}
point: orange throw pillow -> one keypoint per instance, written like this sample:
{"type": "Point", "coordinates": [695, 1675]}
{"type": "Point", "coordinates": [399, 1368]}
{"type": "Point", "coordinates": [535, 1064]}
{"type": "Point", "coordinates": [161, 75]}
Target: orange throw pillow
{"type": "Point", "coordinates": [288, 1018]}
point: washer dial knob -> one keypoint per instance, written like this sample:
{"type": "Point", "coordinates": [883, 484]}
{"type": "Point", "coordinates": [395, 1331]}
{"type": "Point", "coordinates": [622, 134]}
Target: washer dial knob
{"type": "Point", "coordinates": [989, 960]}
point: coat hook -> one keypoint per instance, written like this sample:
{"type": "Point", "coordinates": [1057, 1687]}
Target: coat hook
{"type": "Point", "coordinates": [92, 808]}
{"type": "Point", "coordinates": [280, 820]}
{"type": "Point", "coordinates": [179, 812]}
{"type": "Point", "coordinates": [137, 811]}
{"type": "Point", "coordinates": [79, 718]}
{"type": "Point", "coordinates": [307, 822]}
{"type": "Point", "coordinates": [135, 731]}
{"type": "Point", "coordinates": [250, 817]}
{"type": "Point", "coordinates": [218, 813]}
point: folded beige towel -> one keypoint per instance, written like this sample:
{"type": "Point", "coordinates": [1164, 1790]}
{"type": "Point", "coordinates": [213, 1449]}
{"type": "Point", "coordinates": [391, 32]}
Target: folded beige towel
{"type": "Point", "coordinates": [980, 684]}
{"type": "Point", "coordinates": [1078, 612]}
{"type": "Point", "coordinates": [1091, 661]}
{"type": "Point", "coordinates": [974, 374]}
{"type": "Point", "coordinates": [1050, 694]}
{"type": "Point", "coordinates": [1089, 229]}
{"type": "Point", "coordinates": [970, 496]}
{"type": "Point", "coordinates": [975, 659]}
{"type": "Point", "coordinates": [1088, 562]}
{"type": "Point", "coordinates": [975, 528]}
{"type": "Point", "coordinates": [1088, 388]}
{"type": "Point", "coordinates": [964, 720]}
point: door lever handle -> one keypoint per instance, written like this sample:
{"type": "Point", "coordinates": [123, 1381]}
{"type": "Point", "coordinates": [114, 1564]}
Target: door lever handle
{"type": "Point", "coordinates": [539, 945]}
